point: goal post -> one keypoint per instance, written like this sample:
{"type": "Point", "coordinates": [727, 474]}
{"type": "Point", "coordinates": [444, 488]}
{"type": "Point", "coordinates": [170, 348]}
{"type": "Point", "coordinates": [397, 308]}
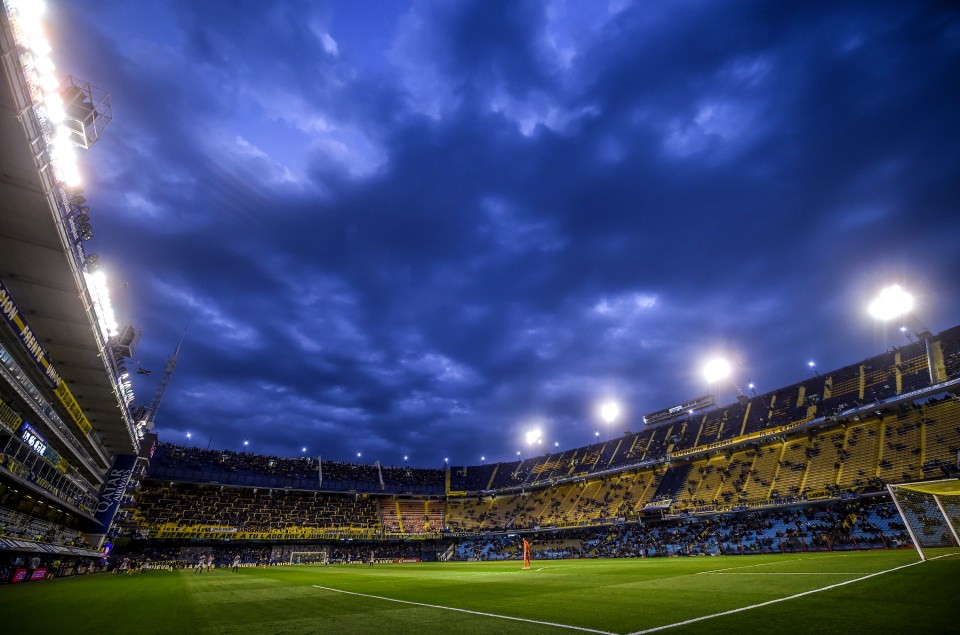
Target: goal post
{"type": "Point", "coordinates": [309, 557]}
{"type": "Point", "coordinates": [930, 510]}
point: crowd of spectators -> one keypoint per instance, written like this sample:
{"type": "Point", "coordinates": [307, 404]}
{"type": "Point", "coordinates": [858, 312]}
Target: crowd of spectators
{"type": "Point", "coordinates": [187, 463]}
{"type": "Point", "coordinates": [14, 524]}
{"type": "Point", "coordinates": [864, 524]}
{"type": "Point", "coordinates": [246, 509]}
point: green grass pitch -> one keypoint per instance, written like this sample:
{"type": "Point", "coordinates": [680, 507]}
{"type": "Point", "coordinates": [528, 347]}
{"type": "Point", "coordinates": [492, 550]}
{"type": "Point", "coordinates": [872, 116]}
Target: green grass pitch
{"type": "Point", "coordinates": [572, 596]}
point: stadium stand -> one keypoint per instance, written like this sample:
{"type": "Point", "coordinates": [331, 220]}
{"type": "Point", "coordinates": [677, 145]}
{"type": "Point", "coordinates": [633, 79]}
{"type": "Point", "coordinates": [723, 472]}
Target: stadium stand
{"type": "Point", "coordinates": [771, 473]}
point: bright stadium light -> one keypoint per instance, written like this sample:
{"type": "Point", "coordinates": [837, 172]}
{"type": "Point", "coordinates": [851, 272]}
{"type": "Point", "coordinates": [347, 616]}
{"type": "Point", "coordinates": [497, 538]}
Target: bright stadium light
{"type": "Point", "coordinates": [556, 444]}
{"type": "Point", "coordinates": [534, 436]}
{"type": "Point", "coordinates": [609, 411]}
{"type": "Point", "coordinates": [103, 308]}
{"type": "Point", "coordinates": [303, 449]}
{"type": "Point", "coordinates": [358, 455]}
{"type": "Point", "coordinates": [405, 457]}
{"type": "Point", "coordinates": [246, 443]}
{"type": "Point", "coordinates": [893, 301]}
{"type": "Point", "coordinates": [716, 370]}
{"type": "Point", "coordinates": [482, 459]}
{"type": "Point", "coordinates": [189, 435]}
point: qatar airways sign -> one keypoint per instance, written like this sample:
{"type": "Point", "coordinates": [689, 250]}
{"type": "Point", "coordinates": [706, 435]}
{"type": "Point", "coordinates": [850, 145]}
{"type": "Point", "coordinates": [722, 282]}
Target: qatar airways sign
{"type": "Point", "coordinates": [114, 488]}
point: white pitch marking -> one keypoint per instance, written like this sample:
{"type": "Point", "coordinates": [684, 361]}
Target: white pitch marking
{"type": "Point", "coordinates": [789, 597]}
{"type": "Point", "coordinates": [450, 608]}
{"type": "Point", "coordinates": [750, 566]}
{"type": "Point", "coordinates": [776, 573]}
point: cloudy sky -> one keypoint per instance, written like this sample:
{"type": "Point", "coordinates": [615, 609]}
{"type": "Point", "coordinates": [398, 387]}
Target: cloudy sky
{"type": "Point", "coordinates": [419, 228]}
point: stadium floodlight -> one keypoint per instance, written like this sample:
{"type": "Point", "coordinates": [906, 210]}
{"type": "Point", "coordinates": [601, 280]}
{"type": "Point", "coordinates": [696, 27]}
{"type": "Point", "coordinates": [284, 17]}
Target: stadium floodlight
{"type": "Point", "coordinates": [556, 444]}
{"type": "Point", "coordinates": [482, 459]}
{"type": "Point", "coordinates": [609, 411]}
{"type": "Point", "coordinates": [893, 301]}
{"type": "Point", "coordinates": [518, 452]}
{"type": "Point", "coordinates": [245, 443]}
{"type": "Point", "coordinates": [358, 455]}
{"type": "Point", "coordinates": [100, 295]}
{"type": "Point", "coordinates": [189, 435]}
{"type": "Point", "coordinates": [303, 449]}
{"type": "Point", "coordinates": [405, 457]}
{"type": "Point", "coordinates": [716, 370]}
{"type": "Point", "coordinates": [534, 436]}
{"type": "Point", "coordinates": [446, 460]}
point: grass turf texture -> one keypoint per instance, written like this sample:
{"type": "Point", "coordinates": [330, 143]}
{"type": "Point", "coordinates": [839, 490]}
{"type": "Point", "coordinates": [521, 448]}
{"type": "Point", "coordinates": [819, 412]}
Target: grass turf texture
{"type": "Point", "coordinates": [615, 596]}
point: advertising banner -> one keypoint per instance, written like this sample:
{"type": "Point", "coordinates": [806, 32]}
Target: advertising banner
{"type": "Point", "coordinates": [14, 319]}
{"type": "Point", "coordinates": [113, 489]}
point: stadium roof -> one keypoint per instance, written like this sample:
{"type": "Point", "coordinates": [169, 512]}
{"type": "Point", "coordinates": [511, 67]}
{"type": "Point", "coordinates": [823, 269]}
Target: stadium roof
{"type": "Point", "coordinates": [35, 268]}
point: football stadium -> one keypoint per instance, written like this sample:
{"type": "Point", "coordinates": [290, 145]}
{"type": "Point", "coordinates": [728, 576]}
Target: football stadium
{"type": "Point", "coordinates": [827, 504]}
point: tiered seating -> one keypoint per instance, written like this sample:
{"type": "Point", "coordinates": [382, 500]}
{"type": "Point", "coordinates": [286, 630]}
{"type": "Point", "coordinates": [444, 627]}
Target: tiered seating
{"type": "Point", "coordinates": [672, 482]}
{"type": "Point", "coordinates": [760, 477]}
{"type": "Point", "coordinates": [901, 448]}
{"type": "Point", "coordinates": [466, 514]}
{"type": "Point", "coordinates": [862, 455]}
{"type": "Point", "coordinates": [14, 524]}
{"type": "Point", "coordinates": [950, 349]}
{"type": "Point", "coordinates": [734, 477]}
{"type": "Point", "coordinates": [913, 369]}
{"type": "Point", "coordinates": [880, 379]}
{"type": "Point", "coordinates": [941, 421]}
{"type": "Point", "coordinates": [791, 469]}
{"type": "Point", "coordinates": [826, 453]}
{"type": "Point", "coordinates": [688, 432]}
{"type": "Point", "coordinates": [787, 407]}
{"type": "Point", "coordinates": [710, 426]}
{"type": "Point", "coordinates": [390, 515]}
{"type": "Point", "coordinates": [841, 390]}
{"type": "Point", "coordinates": [474, 478]}
{"type": "Point", "coordinates": [416, 516]}
{"type": "Point", "coordinates": [759, 408]}
{"type": "Point", "coordinates": [198, 465]}
{"type": "Point", "coordinates": [252, 510]}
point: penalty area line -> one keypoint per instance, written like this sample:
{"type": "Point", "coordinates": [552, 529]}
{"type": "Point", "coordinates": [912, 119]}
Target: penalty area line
{"type": "Point", "coordinates": [451, 608]}
{"type": "Point", "coordinates": [783, 599]}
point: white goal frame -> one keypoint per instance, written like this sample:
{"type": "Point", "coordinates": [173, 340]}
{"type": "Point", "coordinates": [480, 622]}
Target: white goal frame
{"type": "Point", "coordinates": [325, 559]}
{"type": "Point", "coordinates": [951, 522]}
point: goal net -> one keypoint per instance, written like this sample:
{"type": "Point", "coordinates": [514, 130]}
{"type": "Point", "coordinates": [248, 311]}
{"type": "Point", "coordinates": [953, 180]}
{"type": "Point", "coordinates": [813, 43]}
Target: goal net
{"type": "Point", "coordinates": [308, 557]}
{"type": "Point", "coordinates": [931, 512]}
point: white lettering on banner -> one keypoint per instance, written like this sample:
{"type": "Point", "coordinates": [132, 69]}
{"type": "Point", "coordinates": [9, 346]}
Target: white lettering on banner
{"type": "Point", "coordinates": [113, 490]}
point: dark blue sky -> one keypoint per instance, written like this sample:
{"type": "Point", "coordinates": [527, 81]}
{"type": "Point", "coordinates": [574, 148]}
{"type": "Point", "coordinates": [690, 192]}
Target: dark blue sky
{"type": "Point", "coordinates": [418, 228]}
